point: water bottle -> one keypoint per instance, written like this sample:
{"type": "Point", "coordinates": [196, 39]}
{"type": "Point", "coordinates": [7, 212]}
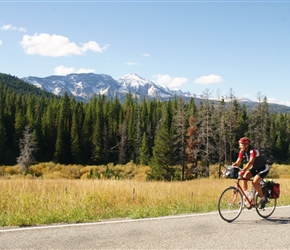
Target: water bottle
{"type": "Point", "coordinates": [248, 194]}
{"type": "Point", "coordinates": [252, 194]}
{"type": "Point", "coordinates": [246, 203]}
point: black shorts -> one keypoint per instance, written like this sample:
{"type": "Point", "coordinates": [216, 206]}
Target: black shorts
{"type": "Point", "coordinates": [262, 172]}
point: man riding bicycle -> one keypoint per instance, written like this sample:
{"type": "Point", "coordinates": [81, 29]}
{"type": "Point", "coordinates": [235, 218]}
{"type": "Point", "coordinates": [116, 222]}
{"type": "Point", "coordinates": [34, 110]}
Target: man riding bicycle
{"type": "Point", "coordinates": [256, 167]}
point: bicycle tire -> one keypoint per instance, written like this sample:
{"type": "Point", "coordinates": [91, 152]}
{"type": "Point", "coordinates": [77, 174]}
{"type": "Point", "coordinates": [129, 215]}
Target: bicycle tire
{"type": "Point", "coordinates": [230, 204]}
{"type": "Point", "coordinates": [269, 208]}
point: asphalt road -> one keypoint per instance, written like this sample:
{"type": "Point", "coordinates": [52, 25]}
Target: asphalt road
{"type": "Point", "coordinates": [192, 231]}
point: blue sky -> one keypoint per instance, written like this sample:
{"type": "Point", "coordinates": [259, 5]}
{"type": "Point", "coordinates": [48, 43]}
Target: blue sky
{"type": "Point", "coordinates": [241, 47]}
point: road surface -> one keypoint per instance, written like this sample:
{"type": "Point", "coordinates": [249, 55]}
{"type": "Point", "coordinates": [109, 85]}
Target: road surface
{"type": "Point", "coordinates": [191, 231]}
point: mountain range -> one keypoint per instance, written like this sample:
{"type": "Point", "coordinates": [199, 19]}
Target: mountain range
{"type": "Point", "coordinates": [85, 85]}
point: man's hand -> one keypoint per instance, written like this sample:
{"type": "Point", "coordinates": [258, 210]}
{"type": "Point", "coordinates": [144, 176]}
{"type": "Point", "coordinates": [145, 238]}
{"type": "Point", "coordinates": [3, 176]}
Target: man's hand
{"type": "Point", "coordinates": [242, 172]}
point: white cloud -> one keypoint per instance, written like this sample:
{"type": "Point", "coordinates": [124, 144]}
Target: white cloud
{"type": "Point", "coordinates": [274, 100]}
{"type": "Point", "coordinates": [55, 45]}
{"type": "Point", "coordinates": [207, 80]}
{"type": "Point", "coordinates": [146, 54]}
{"type": "Point", "coordinates": [11, 27]}
{"type": "Point", "coordinates": [132, 63]}
{"type": "Point", "coordinates": [171, 82]}
{"type": "Point", "coordinates": [246, 95]}
{"type": "Point", "coordinates": [0, 42]}
{"type": "Point", "coordinates": [93, 46]}
{"type": "Point", "coordinates": [62, 70]}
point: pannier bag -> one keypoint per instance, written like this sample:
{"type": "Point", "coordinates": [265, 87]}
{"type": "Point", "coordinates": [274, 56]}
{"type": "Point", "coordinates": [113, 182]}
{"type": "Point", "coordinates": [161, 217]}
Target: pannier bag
{"type": "Point", "coordinates": [273, 189]}
{"type": "Point", "coordinates": [231, 172]}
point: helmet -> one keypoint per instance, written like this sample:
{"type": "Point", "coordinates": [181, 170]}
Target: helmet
{"type": "Point", "coordinates": [245, 140]}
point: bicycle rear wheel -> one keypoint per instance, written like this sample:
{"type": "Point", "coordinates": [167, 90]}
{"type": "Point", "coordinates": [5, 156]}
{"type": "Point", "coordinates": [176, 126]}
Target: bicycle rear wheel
{"type": "Point", "coordinates": [268, 209]}
{"type": "Point", "coordinates": [230, 204]}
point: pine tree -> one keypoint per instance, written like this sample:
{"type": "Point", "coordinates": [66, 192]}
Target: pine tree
{"type": "Point", "coordinates": [3, 136]}
{"type": "Point", "coordinates": [98, 133]}
{"type": "Point", "coordinates": [62, 146]}
{"type": "Point", "coordinates": [48, 131]}
{"type": "Point", "coordinates": [123, 142]}
{"type": "Point", "coordinates": [162, 159]}
{"type": "Point", "coordinates": [180, 128]}
{"type": "Point", "coordinates": [75, 143]}
{"type": "Point", "coordinates": [144, 151]}
{"type": "Point", "coordinates": [114, 117]}
{"type": "Point", "coordinates": [221, 138]}
{"type": "Point", "coordinates": [192, 147]}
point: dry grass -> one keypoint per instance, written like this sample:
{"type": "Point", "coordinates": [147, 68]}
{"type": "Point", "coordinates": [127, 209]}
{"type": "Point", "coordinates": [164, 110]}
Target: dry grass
{"type": "Point", "coordinates": [30, 202]}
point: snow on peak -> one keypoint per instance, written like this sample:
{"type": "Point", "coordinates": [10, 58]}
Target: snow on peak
{"type": "Point", "coordinates": [132, 80]}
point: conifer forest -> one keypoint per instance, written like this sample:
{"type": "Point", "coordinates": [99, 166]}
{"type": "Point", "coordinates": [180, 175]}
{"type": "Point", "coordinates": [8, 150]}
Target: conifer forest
{"type": "Point", "coordinates": [160, 134]}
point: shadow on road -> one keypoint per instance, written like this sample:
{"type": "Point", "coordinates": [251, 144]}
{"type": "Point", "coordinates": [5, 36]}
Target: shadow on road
{"type": "Point", "coordinates": [269, 221]}
{"type": "Point", "coordinates": [281, 220]}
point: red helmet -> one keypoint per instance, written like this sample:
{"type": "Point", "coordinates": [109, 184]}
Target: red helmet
{"type": "Point", "coordinates": [245, 140]}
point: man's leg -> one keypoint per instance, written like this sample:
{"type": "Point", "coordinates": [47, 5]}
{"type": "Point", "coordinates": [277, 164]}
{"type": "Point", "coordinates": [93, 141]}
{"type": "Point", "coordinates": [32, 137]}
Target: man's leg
{"type": "Point", "coordinates": [256, 183]}
{"type": "Point", "coordinates": [257, 186]}
{"type": "Point", "coordinates": [247, 176]}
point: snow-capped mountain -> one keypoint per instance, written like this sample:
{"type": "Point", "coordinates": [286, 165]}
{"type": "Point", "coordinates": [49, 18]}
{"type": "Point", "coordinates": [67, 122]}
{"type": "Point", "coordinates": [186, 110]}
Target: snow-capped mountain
{"type": "Point", "coordinates": [82, 86]}
{"type": "Point", "coordinates": [85, 86]}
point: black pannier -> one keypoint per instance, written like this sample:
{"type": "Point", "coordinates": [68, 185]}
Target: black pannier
{"type": "Point", "coordinates": [273, 189]}
{"type": "Point", "coordinates": [231, 172]}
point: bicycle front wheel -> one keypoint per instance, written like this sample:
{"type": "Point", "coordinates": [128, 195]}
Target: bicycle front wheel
{"type": "Point", "coordinates": [268, 209]}
{"type": "Point", "coordinates": [230, 204]}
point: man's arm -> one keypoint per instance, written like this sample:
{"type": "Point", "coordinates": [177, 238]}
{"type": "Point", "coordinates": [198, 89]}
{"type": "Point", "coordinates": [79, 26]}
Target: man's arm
{"type": "Point", "coordinates": [250, 163]}
{"type": "Point", "coordinates": [238, 162]}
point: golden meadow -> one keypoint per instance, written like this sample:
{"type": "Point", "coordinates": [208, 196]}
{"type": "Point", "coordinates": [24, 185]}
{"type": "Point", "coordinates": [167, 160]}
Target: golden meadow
{"type": "Point", "coordinates": [53, 193]}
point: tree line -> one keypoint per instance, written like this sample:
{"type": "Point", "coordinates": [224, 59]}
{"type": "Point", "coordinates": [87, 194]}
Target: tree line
{"type": "Point", "coordinates": [160, 134]}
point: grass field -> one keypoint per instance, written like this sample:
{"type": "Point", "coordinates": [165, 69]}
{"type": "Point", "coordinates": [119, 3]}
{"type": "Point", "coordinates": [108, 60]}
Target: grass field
{"type": "Point", "coordinates": [26, 202]}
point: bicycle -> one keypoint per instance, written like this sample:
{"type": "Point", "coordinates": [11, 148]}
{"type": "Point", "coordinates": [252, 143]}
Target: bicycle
{"type": "Point", "coordinates": [231, 202]}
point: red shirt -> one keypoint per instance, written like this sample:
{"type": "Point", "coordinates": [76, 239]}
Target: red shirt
{"type": "Point", "coordinates": [259, 162]}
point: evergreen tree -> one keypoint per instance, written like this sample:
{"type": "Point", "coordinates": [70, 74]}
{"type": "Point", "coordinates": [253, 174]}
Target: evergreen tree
{"type": "Point", "coordinates": [62, 147]}
{"type": "Point", "coordinates": [48, 131]}
{"type": "Point", "coordinates": [255, 127]}
{"type": "Point", "coordinates": [19, 125]}
{"type": "Point", "coordinates": [221, 134]}
{"type": "Point", "coordinates": [123, 142]}
{"type": "Point", "coordinates": [133, 125]}
{"type": "Point", "coordinates": [3, 136]}
{"type": "Point", "coordinates": [75, 140]}
{"type": "Point", "coordinates": [98, 133]}
{"type": "Point", "coordinates": [232, 126]}
{"type": "Point", "coordinates": [114, 115]}
{"type": "Point", "coordinates": [192, 148]}
{"type": "Point", "coordinates": [144, 151]}
{"type": "Point", "coordinates": [87, 131]}
{"type": "Point", "coordinates": [282, 141]}
{"type": "Point", "coordinates": [162, 159]}
{"type": "Point", "coordinates": [138, 141]}
{"type": "Point", "coordinates": [180, 138]}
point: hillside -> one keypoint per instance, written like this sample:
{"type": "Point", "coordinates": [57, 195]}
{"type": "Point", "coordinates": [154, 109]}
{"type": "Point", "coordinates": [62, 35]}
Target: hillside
{"type": "Point", "coordinates": [21, 87]}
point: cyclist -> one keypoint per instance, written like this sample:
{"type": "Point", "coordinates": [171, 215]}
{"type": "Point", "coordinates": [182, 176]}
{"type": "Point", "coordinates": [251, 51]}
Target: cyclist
{"type": "Point", "coordinates": [256, 167]}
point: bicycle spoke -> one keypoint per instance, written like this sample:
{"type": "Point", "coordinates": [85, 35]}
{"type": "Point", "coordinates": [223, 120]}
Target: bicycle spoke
{"type": "Point", "coordinates": [230, 204]}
